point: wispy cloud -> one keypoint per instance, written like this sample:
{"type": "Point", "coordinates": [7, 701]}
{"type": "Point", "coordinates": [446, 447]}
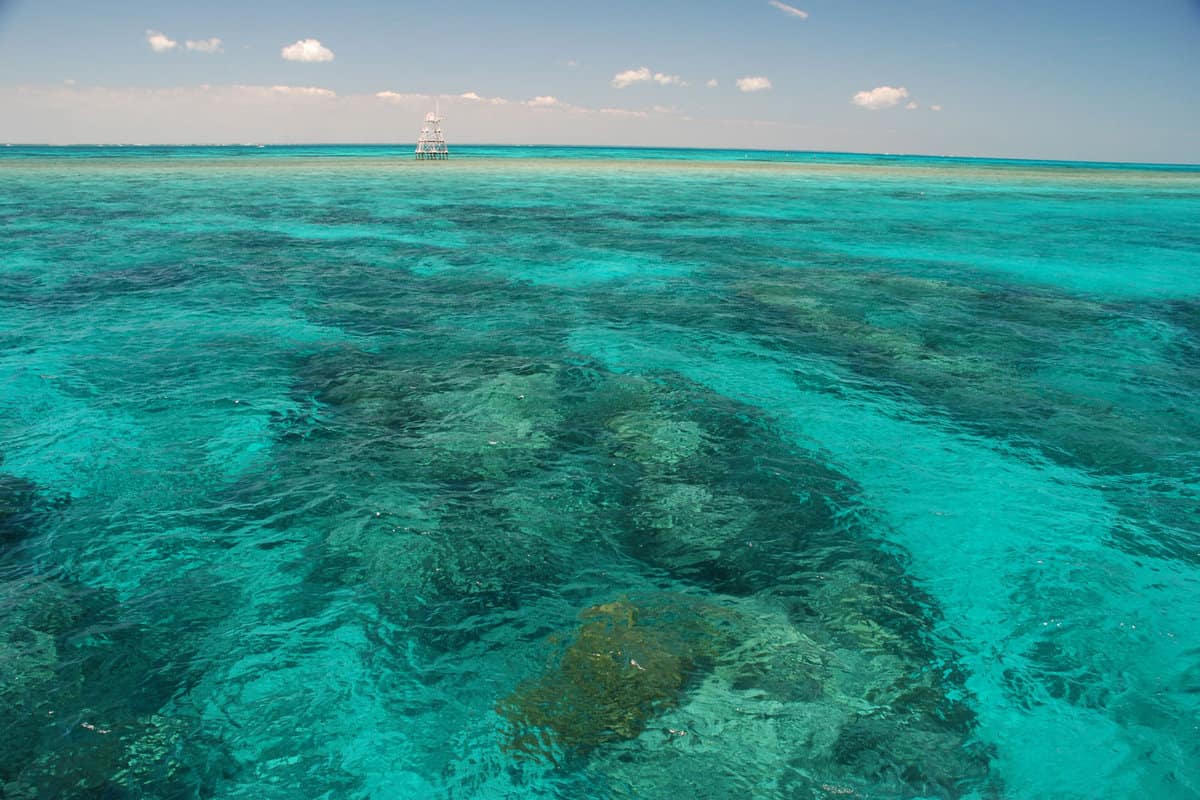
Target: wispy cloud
{"type": "Point", "coordinates": [468, 99]}
{"type": "Point", "coordinates": [624, 112]}
{"type": "Point", "coordinates": [160, 42]}
{"type": "Point", "coordinates": [413, 98]}
{"type": "Point", "coordinates": [310, 113]}
{"type": "Point", "coordinates": [288, 91]}
{"type": "Point", "coordinates": [880, 97]}
{"type": "Point", "coordinates": [212, 45]}
{"type": "Point", "coordinates": [754, 84]}
{"type": "Point", "coordinates": [396, 97]}
{"type": "Point", "coordinates": [712, 83]}
{"type": "Point", "coordinates": [475, 97]}
{"type": "Point", "coordinates": [791, 11]}
{"type": "Point", "coordinates": [669, 80]}
{"type": "Point", "coordinates": [912, 106]}
{"type": "Point", "coordinates": [935, 108]}
{"type": "Point", "coordinates": [307, 50]}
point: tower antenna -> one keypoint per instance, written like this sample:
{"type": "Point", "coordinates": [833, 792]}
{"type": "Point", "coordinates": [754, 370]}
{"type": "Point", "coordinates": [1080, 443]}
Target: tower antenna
{"type": "Point", "coordinates": [432, 144]}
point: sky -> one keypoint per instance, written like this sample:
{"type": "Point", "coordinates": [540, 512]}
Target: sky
{"type": "Point", "coordinates": [1062, 79]}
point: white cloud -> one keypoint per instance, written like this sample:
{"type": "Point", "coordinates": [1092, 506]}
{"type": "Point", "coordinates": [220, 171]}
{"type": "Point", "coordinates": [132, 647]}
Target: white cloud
{"type": "Point", "coordinates": [912, 106]}
{"type": "Point", "coordinates": [754, 84]}
{"type": "Point", "coordinates": [880, 97]}
{"type": "Point", "coordinates": [791, 11]}
{"type": "Point", "coordinates": [160, 42]}
{"type": "Point", "coordinates": [543, 101]}
{"type": "Point", "coordinates": [712, 84]}
{"type": "Point", "coordinates": [288, 91]}
{"type": "Point", "coordinates": [630, 77]}
{"type": "Point", "coordinates": [212, 45]}
{"type": "Point", "coordinates": [643, 75]}
{"type": "Point", "coordinates": [307, 50]}
{"type": "Point", "coordinates": [572, 63]}
{"type": "Point", "coordinates": [69, 82]}
{"type": "Point", "coordinates": [935, 108]}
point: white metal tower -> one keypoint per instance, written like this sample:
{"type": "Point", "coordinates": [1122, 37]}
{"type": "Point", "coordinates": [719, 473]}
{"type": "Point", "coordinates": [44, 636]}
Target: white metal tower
{"type": "Point", "coordinates": [432, 144]}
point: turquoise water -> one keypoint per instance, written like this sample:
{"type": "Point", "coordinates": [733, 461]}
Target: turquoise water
{"type": "Point", "coordinates": [595, 473]}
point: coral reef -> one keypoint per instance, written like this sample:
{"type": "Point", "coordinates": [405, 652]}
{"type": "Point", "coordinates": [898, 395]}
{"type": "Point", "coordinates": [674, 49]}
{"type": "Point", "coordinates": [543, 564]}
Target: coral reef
{"type": "Point", "coordinates": [820, 720]}
{"type": "Point", "coordinates": [491, 430]}
{"type": "Point", "coordinates": [825, 654]}
{"type": "Point", "coordinates": [81, 715]}
{"type": "Point", "coordinates": [626, 663]}
{"type": "Point", "coordinates": [656, 437]}
{"type": "Point", "coordinates": [738, 515]}
{"type": "Point", "coordinates": [994, 358]}
{"type": "Point", "coordinates": [17, 504]}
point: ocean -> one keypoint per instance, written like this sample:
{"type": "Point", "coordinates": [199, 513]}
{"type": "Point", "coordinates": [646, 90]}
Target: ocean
{"type": "Point", "coordinates": [581, 472]}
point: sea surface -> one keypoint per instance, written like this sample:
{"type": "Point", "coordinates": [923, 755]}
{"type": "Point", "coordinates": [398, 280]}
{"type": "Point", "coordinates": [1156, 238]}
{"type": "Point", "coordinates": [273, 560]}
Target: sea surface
{"type": "Point", "coordinates": [593, 473]}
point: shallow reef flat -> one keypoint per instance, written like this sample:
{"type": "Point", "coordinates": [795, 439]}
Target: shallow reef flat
{"type": "Point", "coordinates": [610, 474]}
{"type": "Point", "coordinates": [671, 482]}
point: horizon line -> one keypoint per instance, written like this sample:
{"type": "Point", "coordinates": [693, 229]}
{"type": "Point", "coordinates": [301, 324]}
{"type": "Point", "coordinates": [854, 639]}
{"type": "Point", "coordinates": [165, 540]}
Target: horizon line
{"type": "Point", "coordinates": [944, 156]}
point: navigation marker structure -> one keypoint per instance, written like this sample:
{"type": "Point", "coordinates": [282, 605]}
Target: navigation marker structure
{"type": "Point", "coordinates": [432, 144]}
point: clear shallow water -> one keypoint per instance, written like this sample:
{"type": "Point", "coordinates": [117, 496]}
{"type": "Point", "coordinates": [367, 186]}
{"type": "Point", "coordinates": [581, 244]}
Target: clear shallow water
{"type": "Point", "coordinates": [604, 473]}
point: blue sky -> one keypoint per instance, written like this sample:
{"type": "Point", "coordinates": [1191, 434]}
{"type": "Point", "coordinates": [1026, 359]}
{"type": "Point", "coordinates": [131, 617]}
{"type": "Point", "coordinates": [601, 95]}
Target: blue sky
{"type": "Point", "coordinates": [1093, 80]}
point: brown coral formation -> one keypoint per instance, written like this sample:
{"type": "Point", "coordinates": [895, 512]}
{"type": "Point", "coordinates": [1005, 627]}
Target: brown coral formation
{"type": "Point", "coordinates": [627, 662]}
